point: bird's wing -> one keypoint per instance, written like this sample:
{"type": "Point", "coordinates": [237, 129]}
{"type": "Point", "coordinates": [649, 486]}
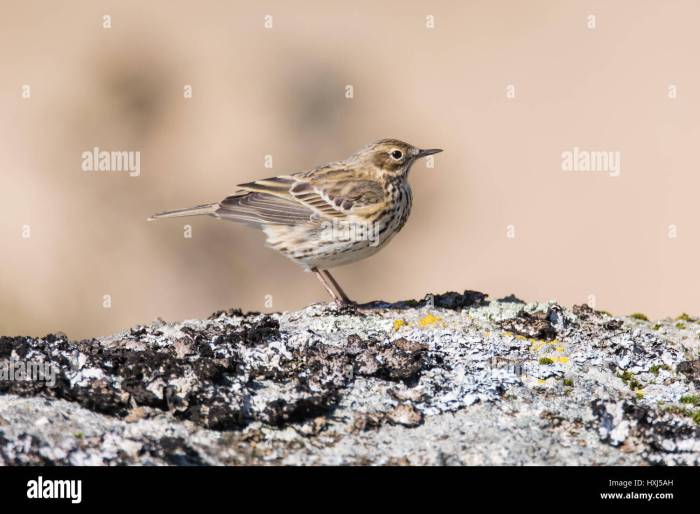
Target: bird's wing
{"type": "Point", "coordinates": [329, 192]}
{"type": "Point", "coordinates": [256, 208]}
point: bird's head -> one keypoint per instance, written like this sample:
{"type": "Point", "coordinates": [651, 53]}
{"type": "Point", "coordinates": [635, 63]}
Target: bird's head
{"type": "Point", "coordinates": [392, 156]}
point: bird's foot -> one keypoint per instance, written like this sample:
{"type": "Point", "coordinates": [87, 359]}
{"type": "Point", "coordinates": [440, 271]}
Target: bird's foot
{"type": "Point", "coordinates": [340, 306]}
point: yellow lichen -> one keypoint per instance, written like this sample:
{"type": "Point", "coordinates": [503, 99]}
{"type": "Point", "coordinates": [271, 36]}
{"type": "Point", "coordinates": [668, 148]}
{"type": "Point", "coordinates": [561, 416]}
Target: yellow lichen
{"type": "Point", "coordinates": [550, 349]}
{"type": "Point", "coordinates": [398, 323]}
{"type": "Point", "coordinates": [536, 345]}
{"type": "Point", "coordinates": [429, 320]}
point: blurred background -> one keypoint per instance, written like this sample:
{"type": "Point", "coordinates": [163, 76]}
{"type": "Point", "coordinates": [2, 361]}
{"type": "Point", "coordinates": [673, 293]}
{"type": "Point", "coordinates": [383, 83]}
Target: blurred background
{"type": "Point", "coordinates": [496, 214]}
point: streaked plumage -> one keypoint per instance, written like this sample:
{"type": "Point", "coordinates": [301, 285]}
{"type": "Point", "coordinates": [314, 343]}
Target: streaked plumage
{"type": "Point", "coordinates": [307, 216]}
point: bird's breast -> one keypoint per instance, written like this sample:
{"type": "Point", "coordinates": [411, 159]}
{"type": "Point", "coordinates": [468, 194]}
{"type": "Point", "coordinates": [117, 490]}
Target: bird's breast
{"type": "Point", "coordinates": [399, 203]}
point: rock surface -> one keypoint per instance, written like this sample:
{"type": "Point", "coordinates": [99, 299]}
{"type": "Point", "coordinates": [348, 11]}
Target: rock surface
{"type": "Point", "coordinates": [451, 379]}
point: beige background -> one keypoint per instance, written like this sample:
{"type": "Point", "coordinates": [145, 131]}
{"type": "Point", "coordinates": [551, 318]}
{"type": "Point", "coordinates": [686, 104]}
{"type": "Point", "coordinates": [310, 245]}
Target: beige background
{"type": "Point", "coordinates": [281, 92]}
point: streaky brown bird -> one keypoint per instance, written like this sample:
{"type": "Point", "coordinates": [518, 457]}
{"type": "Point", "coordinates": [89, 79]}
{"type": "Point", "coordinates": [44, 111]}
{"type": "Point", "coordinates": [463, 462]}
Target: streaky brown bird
{"type": "Point", "coordinates": [331, 215]}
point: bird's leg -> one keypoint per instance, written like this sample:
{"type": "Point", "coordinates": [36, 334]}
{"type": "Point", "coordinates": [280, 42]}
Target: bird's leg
{"type": "Point", "coordinates": [342, 294]}
{"type": "Point", "coordinates": [321, 277]}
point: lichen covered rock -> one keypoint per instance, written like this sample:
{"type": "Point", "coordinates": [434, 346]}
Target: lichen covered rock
{"type": "Point", "coordinates": [450, 379]}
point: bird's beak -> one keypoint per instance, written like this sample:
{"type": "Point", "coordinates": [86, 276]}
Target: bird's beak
{"type": "Point", "coordinates": [430, 151]}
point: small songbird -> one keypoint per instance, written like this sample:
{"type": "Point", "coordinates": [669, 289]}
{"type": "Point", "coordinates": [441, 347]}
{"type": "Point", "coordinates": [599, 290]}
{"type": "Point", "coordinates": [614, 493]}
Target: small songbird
{"type": "Point", "coordinates": [331, 215]}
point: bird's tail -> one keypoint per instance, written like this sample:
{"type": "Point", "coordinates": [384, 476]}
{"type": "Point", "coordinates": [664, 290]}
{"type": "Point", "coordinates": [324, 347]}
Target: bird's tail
{"type": "Point", "coordinates": [199, 210]}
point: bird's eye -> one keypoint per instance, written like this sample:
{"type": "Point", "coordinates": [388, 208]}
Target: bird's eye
{"type": "Point", "coordinates": [396, 154]}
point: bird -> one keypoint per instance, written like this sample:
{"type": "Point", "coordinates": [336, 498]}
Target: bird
{"type": "Point", "coordinates": [331, 215]}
